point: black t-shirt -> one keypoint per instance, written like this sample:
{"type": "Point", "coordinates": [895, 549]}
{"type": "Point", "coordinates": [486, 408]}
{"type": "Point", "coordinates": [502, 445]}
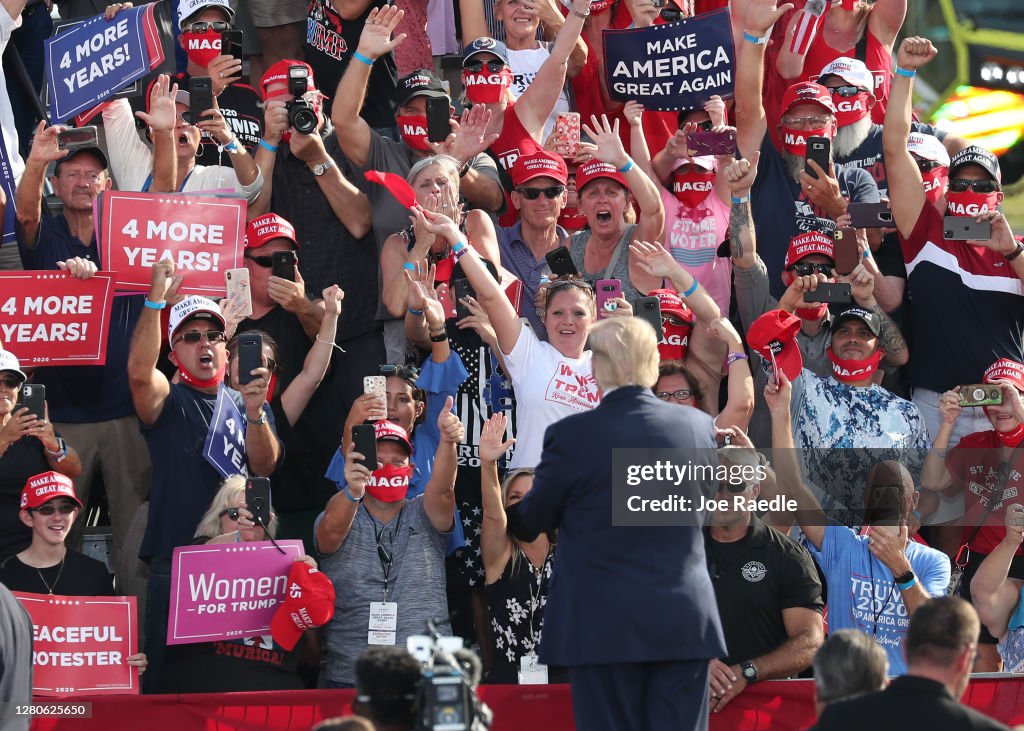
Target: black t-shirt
{"type": "Point", "coordinates": [330, 43]}
{"type": "Point", "coordinates": [77, 575]}
{"type": "Point", "coordinates": [23, 459]}
{"type": "Point", "coordinates": [755, 579]}
{"type": "Point", "coordinates": [229, 666]}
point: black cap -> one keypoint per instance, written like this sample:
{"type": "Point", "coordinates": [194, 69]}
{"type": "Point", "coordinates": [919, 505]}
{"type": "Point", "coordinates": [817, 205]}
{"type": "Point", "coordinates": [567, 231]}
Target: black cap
{"type": "Point", "coordinates": [420, 82]}
{"type": "Point", "coordinates": [870, 319]}
{"type": "Point", "coordinates": [975, 155]}
{"type": "Point", "coordinates": [94, 151]}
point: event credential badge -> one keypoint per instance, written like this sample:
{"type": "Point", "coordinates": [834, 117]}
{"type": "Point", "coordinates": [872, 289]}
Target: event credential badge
{"type": "Point", "coordinates": [383, 628]}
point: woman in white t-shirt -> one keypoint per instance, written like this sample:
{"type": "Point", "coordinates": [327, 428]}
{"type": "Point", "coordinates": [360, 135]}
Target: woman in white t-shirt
{"type": "Point", "coordinates": [552, 380]}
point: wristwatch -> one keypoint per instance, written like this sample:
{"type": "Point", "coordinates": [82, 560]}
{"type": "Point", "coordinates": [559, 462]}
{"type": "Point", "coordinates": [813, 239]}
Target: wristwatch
{"type": "Point", "coordinates": [323, 167]}
{"type": "Point", "coordinates": [1016, 252]}
{"type": "Point", "coordinates": [61, 453]}
{"type": "Point", "coordinates": [904, 578]}
{"type": "Point", "coordinates": [749, 672]}
{"type": "Point", "coordinates": [260, 421]}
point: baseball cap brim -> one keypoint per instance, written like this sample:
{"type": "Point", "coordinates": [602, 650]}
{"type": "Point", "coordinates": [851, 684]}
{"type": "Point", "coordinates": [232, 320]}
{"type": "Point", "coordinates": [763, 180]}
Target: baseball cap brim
{"type": "Point", "coordinates": [228, 10]}
{"type": "Point", "coordinates": [94, 151]}
{"type": "Point", "coordinates": [283, 629]}
{"type": "Point", "coordinates": [872, 323]}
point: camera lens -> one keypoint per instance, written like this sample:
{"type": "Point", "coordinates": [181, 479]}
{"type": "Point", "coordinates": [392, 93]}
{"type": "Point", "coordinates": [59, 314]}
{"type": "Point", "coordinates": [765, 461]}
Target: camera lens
{"type": "Point", "coordinates": [302, 118]}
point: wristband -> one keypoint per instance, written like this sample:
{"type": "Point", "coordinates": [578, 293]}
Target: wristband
{"type": "Point", "coordinates": [439, 338]}
{"type": "Point", "coordinates": [733, 357]}
{"type": "Point", "coordinates": [578, 14]}
{"type": "Point", "coordinates": [692, 289]}
{"type": "Point", "coordinates": [751, 38]}
{"type": "Point", "coordinates": [267, 146]}
{"type": "Point", "coordinates": [417, 313]}
{"type": "Point", "coordinates": [940, 453]}
{"type": "Point", "coordinates": [739, 201]}
{"type": "Point", "coordinates": [908, 585]}
{"type": "Point", "coordinates": [362, 59]}
{"type": "Point", "coordinates": [459, 250]}
{"type": "Point", "coordinates": [627, 167]}
{"type": "Point", "coordinates": [232, 145]}
{"type": "Point", "coordinates": [905, 72]}
{"type": "Point", "coordinates": [409, 265]}
{"type": "Point", "coordinates": [349, 496]}
{"type": "Point", "coordinates": [154, 305]}
{"type": "Point", "coordinates": [1015, 253]}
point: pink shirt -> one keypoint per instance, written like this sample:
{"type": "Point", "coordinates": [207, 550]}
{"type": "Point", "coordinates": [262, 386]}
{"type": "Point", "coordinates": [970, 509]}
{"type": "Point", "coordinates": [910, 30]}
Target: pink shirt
{"type": "Point", "coordinates": [693, 235]}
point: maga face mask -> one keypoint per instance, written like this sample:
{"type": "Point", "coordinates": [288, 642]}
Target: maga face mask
{"type": "Point", "coordinates": [413, 128]}
{"type": "Point", "coordinates": [852, 109]}
{"type": "Point", "coordinates": [676, 341]}
{"type": "Point", "coordinates": [969, 203]}
{"type": "Point", "coordinates": [195, 382]}
{"type": "Point", "coordinates": [201, 48]}
{"type": "Point", "coordinates": [935, 182]}
{"type": "Point", "coordinates": [389, 484]}
{"type": "Point", "coordinates": [852, 370]}
{"type": "Point", "coordinates": [486, 87]}
{"type": "Point", "coordinates": [691, 187]}
{"type": "Point", "coordinates": [795, 140]}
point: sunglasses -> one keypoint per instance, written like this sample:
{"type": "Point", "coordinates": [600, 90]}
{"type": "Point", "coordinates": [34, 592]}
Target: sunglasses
{"type": "Point", "coordinates": [729, 487]}
{"type": "Point", "coordinates": [846, 91]}
{"type": "Point", "coordinates": [671, 15]}
{"type": "Point", "coordinates": [926, 166]}
{"type": "Point", "coordinates": [50, 509]}
{"type": "Point", "coordinates": [202, 26]}
{"type": "Point", "coordinates": [261, 261]}
{"type": "Point", "coordinates": [805, 122]}
{"type": "Point", "coordinates": [231, 513]}
{"type": "Point", "coordinates": [563, 282]}
{"type": "Point", "coordinates": [194, 336]}
{"type": "Point", "coordinates": [959, 185]}
{"type": "Point", "coordinates": [807, 269]}
{"type": "Point", "coordinates": [532, 194]}
{"type": "Point", "coordinates": [10, 382]}
{"type": "Point", "coordinates": [410, 373]}
{"type": "Point", "coordinates": [475, 67]}
{"type": "Point", "coordinates": [681, 395]}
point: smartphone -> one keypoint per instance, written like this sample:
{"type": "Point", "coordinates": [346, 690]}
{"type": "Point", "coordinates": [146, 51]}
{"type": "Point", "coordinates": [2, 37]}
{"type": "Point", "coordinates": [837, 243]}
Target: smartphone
{"type": "Point", "coordinates": [444, 296]}
{"type": "Point", "coordinates": [462, 289]}
{"type": "Point", "coordinates": [965, 228]}
{"type": "Point", "coordinates": [439, 114]}
{"type": "Point", "coordinates": [250, 356]}
{"type": "Point", "coordinates": [567, 134]}
{"type": "Point", "coordinates": [376, 386]}
{"type": "Point", "coordinates": [870, 215]}
{"type": "Point", "coordinates": [283, 265]}
{"type": "Point", "coordinates": [237, 281]}
{"type": "Point", "coordinates": [883, 506]}
{"type": "Point", "coordinates": [200, 94]}
{"type": "Point", "coordinates": [231, 42]}
{"type": "Point", "coordinates": [832, 292]}
{"type": "Point", "coordinates": [980, 394]}
{"type": "Point", "coordinates": [847, 254]}
{"type": "Point", "coordinates": [257, 499]}
{"type": "Point", "coordinates": [723, 439]}
{"type": "Point", "coordinates": [76, 138]}
{"type": "Point", "coordinates": [607, 289]}
{"type": "Point", "coordinates": [649, 309]}
{"type": "Point", "coordinates": [33, 397]}
{"type": "Point", "coordinates": [561, 263]}
{"type": "Point", "coordinates": [364, 439]}
{"type": "Point", "coordinates": [819, 150]}
{"type": "Point", "coordinates": [711, 143]}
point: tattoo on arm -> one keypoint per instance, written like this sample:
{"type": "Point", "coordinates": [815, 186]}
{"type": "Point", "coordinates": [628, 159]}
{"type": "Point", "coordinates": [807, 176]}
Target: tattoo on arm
{"type": "Point", "coordinates": [889, 334]}
{"type": "Point", "coordinates": [739, 226]}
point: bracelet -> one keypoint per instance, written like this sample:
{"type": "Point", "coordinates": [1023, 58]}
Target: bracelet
{"type": "Point", "coordinates": [328, 342]}
{"type": "Point", "coordinates": [154, 305]}
{"type": "Point", "coordinates": [409, 265]}
{"type": "Point", "coordinates": [349, 496]}
{"type": "Point", "coordinates": [692, 289]}
{"type": "Point", "coordinates": [627, 167]}
{"type": "Point", "coordinates": [460, 249]}
{"type": "Point", "coordinates": [414, 311]}
{"type": "Point", "coordinates": [578, 14]}
{"type": "Point", "coordinates": [464, 169]}
{"type": "Point", "coordinates": [757, 41]}
{"type": "Point", "coordinates": [940, 453]}
{"type": "Point", "coordinates": [362, 59]}
{"type": "Point", "coordinates": [739, 201]}
{"type": "Point", "coordinates": [733, 357]}
{"type": "Point", "coordinates": [905, 73]}
{"type": "Point", "coordinates": [267, 146]}
{"type": "Point", "coordinates": [232, 145]}
{"type": "Point", "coordinates": [1016, 252]}
{"type": "Point", "coordinates": [439, 338]}
{"type": "Point", "coordinates": [909, 584]}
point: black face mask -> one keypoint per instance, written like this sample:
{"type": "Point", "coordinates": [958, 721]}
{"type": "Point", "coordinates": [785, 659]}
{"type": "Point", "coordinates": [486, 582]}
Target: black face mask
{"type": "Point", "coordinates": [518, 527]}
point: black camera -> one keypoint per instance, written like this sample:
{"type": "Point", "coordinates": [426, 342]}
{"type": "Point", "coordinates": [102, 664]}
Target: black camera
{"type": "Point", "coordinates": [301, 115]}
{"type": "Point", "coordinates": [446, 699]}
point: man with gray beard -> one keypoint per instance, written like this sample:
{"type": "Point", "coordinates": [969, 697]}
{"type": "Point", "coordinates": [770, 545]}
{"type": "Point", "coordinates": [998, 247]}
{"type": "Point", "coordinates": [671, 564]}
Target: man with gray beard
{"type": "Point", "coordinates": [786, 200]}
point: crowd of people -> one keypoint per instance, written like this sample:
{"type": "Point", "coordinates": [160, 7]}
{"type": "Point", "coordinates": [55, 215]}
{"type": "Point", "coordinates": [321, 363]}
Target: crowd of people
{"type": "Point", "coordinates": [845, 388]}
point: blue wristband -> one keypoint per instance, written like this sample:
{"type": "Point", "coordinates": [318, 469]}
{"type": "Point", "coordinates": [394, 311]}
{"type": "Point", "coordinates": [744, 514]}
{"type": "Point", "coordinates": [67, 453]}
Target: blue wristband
{"type": "Point", "coordinates": [155, 305]}
{"type": "Point", "coordinates": [751, 38]}
{"type": "Point", "coordinates": [737, 201]}
{"type": "Point", "coordinates": [692, 289]}
{"type": "Point", "coordinates": [410, 266]}
{"type": "Point", "coordinates": [363, 59]}
{"type": "Point", "coordinates": [460, 249]}
{"type": "Point", "coordinates": [905, 72]}
{"type": "Point", "coordinates": [627, 167]}
{"type": "Point", "coordinates": [349, 496]}
{"type": "Point", "coordinates": [908, 585]}
{"type": "Point", "coordinates": [412, 311]}
{"type": "Point", "coordinates": [267, 146]}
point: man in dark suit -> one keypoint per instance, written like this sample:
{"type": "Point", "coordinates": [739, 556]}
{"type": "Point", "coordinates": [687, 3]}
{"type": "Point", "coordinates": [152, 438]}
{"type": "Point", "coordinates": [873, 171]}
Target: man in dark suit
{"type": "Point", "coordinates": [940, 646]}
{"type": "Point", "coordinates": [631, 610]}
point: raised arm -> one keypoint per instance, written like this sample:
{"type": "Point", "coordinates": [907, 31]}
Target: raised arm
{"type": "Point", "coordinates": [552, 20]}
{"type": "Point", "coordinates": [886, 19]}
{"type": "Point", "coordinates": [29, 195]}
{"type": "Point", "coordinates": [130, 159]}
{"type": "Point", "coordinates": [350, 205]}
{"type": "Point", "coordinates": [740, 177]}
{"type": "Point", "coordinates": [740, 405]}
{"type": "Point", "coordinates": [993, 594]}
{"type": "Point", "coordinates": [473, 20]}
{"type": "Point", "coordinates": [751, 121]}
{"type": "Point", "coordinates": [275, 123]}
{"type": "Point", "coordinates": [801, 30]}
{"type": "Point", "coordinates": [149, 386]}
{"type": "Point", "coordinates": [495, 544]}
{"type": "Point", "coordinates": [291, 295]}
{"type": "Point", "coordinates": [340, 513]}
{"type": "Point", "coordinates": [935, 475]}
{"type": "Point", "coordinates": [439, 494]}
{"type": "Point", "coordinates": [655, 260]}
{"type": "Point", "coordinates": [633, 112]}
{"type": "Point", "coordinates": [890, 339]}
{"type": "Point", "coordinates": [296, 397]}
{"type": "Point", "coordinates": [216, 126]}
{"type": "Point", "coordinates": [162, 120]}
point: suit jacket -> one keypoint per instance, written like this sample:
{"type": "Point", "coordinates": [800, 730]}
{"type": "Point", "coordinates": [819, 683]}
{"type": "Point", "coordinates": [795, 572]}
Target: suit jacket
{"type": "Point", "coordinates": [908, 702]}
{"type": "Point", "coordinates": [620, 594]}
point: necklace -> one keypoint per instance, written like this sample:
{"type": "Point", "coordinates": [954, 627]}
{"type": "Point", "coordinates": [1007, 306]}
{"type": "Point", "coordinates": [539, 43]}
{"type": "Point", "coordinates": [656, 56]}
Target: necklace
{"type": "Point", "coordinates": [49, 589]}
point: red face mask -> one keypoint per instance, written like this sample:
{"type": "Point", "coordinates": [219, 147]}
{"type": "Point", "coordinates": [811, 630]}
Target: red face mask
{"type": "Point", "coordinates": [389, 484]}
{"type": "Point", "coordinates": [192, 380]}
{"type": "Point", "coordinates": [485, 87]}
{"type": "Point", "coordinates": [812, 313]}
{"type": "Point", "coordinates": [852, 109]}
{"type": "Point", "coordinates": [935, 182]}
{"type": "Point", "coordinates": [413, 128]}
{"type": "Point", "coordinates": [852, 370]}
{"type": "Point", "coordinates": [571, 219]}
{"type": "Point", "coordinates": [795, 140]}
{"type": "Point", "coordinates": [693, 186]}
{"type": "Point", "coordinates": [1011, 438]}
{"type": "Point", "coordinates": [676, 341]}
{"type": "Point", "coordinates": [970, 203]}
{"type": "Point", "coordinates": [201, 48]}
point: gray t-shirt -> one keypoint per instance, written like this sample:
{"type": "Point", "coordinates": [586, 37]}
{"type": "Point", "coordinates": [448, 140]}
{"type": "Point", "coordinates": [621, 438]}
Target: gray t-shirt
{"type": "Point", "coordinates": [578, 247]}
{"type": "Point", "coordinates": [416, 582]}
{"type": "Point", "coordinates": [15, 661]}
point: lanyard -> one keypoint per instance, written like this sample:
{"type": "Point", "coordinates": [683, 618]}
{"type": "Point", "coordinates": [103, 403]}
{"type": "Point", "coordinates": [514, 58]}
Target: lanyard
{"type": "Point", "coordinates": [385, 556]}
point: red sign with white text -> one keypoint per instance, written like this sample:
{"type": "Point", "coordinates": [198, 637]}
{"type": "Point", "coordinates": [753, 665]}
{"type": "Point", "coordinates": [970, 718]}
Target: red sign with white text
{"type": "Point", "coordinates": [49, 318]}
{"type": "Point", "coordinates": [80, 644]}
{"type": "Point", "coordinates": [202, 236]}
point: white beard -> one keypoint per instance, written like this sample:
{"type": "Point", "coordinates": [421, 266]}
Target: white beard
{"type": "Point", "coordinates": [851, 136]}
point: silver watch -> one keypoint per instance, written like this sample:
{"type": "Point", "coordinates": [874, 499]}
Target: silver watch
{"type": "Point", "coordinates": [323, 167]}
{"type": "Point", "coordinates": [261, 420]}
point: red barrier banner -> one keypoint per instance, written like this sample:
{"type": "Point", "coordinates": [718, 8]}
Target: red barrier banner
{"type": "Point", "coordinates": [50, 318]}
{"type": "Point", "coordinates": [80, 644]}
{"type": "Point", "coordinates": [202, 236]}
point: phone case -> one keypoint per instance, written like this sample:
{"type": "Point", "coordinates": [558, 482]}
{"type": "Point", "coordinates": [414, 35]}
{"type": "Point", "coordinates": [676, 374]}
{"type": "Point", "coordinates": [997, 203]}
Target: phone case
{"type": "Point", "coordinates": [607, 289]}
{"type": "Point", "coordinates": [965, 228]}
{"type": "Point", "coordinates": [463, 289]}
{"type": "Point", "coordinates": [239, 294]}
{"type": "Point", "coordinates": [257, 499]}
{"type": "Point", "coordinates": [980, 394]}
{"type": "Point", "coordinates": [870, 215]}
{"type": "Point", "coordinates": [78, 138]}
{"type": "Point", "coordinates": [200, 91]}
{"type": "Point", "coordinates": [364, 439]}
{"type": "Point", "coordinates": [818, 149]}
{"type": "Point", "coordinates": [231, 42]}
{"type": "Point", "coordinates": [711, 143]}
{"type": "Point", "coordinates": [250, 356]}
{"type": "Point", "coordinates": [376, 386]}
{"type": "Point", "coordinates": [33, 397]}
{"type": "Point", "coordinates": [561, 263]}
{"type": "Point", "coordinates": [847, 255]}
{"type": "Point", "coordinates": [567, 134]}
{"type": "Point", "coordinates": [444, 296]}
{"type": "Point", "coordinates": [283, 265]}
{"type": "Point", "coordinates": [649, 309]}
{"type": "Point", "coordinates": [438, 120]}
{"type": "Point", "coordinates": [838, 293]}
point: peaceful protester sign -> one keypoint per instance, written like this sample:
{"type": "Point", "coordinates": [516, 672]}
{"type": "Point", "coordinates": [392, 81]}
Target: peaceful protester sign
{"type": "Point", "coordinates": [673, 66]}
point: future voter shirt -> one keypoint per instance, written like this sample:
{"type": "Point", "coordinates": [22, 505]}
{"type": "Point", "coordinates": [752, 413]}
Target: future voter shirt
{"type": "Point", "coordinates": [862, 593]}
{"type": "Point", "coordinates": [693, 235]}
{"type": "Point", "coordinates": [548, 386]}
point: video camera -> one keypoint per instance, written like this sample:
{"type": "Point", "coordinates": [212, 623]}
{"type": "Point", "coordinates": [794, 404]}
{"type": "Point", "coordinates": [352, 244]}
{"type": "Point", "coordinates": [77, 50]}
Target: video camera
{"type": "Point", "coordinates": [446, 699]}
{"type": "Point", "coordinates": [301, 114]}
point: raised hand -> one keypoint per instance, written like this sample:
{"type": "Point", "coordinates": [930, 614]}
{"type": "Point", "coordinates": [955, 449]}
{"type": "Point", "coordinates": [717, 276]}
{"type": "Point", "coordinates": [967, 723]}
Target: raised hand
{"type": "Point", "coordinates": [740, 174]}
{"type": "Point", "coordinates": [654, 259]}
{"type": "Point", "coordinates": [607, 145]}
{"type": "Point", "coordinates": [224, 71]}
{"type": "Point", "coordinates": [761, 15]}
{"type": "Point", "coordinates": [633, 113]}
{"type": "Point", "coordinates": [333, 297]}
{"type": "Point", "coordinates": [452, 430]}
{"type": "Point", "coordinates": [915, 52]}
{"type": "Point", "coordinates": [492, 448]}
{"type": "Point", "coordinates": [161, 275]}
{"type": "Point", "coordinates": [949, 406]}
{"type": "Point", "coordinates": [163, 115]}
{"type": "Point", "coordinates": [375, 40]}
{"type": "Point", "coordinates": [469, 137]}
{"type": "Point", "coordinates": [44, 144]}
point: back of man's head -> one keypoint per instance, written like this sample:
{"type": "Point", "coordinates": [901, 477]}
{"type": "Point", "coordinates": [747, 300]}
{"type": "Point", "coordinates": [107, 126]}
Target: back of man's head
{"type": "Point", "coordinates": [849, 663]}
{"type": "Point", "coordinates": [940, 629]}
{"type": "Point", "coordinates": [625, 353]}
{"type": "Point", "coordinates": [387, 679]}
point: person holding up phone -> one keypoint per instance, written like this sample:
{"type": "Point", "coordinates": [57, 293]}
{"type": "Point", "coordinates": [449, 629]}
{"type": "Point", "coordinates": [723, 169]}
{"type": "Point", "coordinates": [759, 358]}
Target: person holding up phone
{"type": "Point", "coordinates": [998, 597]}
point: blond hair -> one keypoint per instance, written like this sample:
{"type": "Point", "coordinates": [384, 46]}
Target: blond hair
{"type": "Point", "coordinates": [230, 490]}
{"type": "Point", "coordinates": [625, 353]}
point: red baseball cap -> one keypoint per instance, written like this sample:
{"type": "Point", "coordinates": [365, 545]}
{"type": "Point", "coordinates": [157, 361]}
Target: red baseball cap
{"type": "Point", "coordinates": [279, 72]}
{"type": "Point", "coordinates": [808, 92]}
{"type": "Point", "coordinates": [47, 486]}
{"type": "Point", "coordinates": [539, 164]}
{"type": "Point", "coordinates": [269, 226]}
{"type": "Point", "coordinates": [590, 171]}
{"type": "Point", "coordinates": [672, 304]}
{"type": "Point", "coordinates": [390, 431]}
{"type": "Point", "coordinates": [308, 603]}
{"type": "Point", "coordinates": [806, 244]}
{"type": "Point", "coordinates": [773, 337]}
{"type": "Point", "coordinates": [1005, 369]}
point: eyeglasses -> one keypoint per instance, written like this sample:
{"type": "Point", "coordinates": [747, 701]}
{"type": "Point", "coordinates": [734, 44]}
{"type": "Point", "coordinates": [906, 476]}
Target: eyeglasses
{"type": "Point", "coordinates": [75, 175]}
{"type": "Point", "coordinates": [261, 261]}
{"type": "Point", "coordinates": [704, 126]}
{"type": "Point", "coordinates": [730, 487]}
{"type": "Point", "coordinates": [845, 91]}
{"type": "Point", "coordinates": [805, 269]}
{"type": "Point", "coordinates": [676, 321]}
{"type": "Point", "coordinates": [50, 509]}
{"type": "Point", "coordinates": [409, 373]}
{"type": "Point", "coordinates": [959, 185]}
{"type": "Point", "coordinates": [805, 122]}
{"type": "Point", "coordinates": [194, 336]}
{"type": "Point", "coordinates": [231, 513]}
{"type": "Point", "coordinates": [475, 67]}
{"type": "Point", "coordinates": [926, 166]}
{"type": "Point", "coordinates": [10, 383]}
{"type": "Point", "coordinates": [202, 26]}
{"type": "Point", "coordinates": [532, 194]}
{"type": "Point", "coordinates": [681, 395]}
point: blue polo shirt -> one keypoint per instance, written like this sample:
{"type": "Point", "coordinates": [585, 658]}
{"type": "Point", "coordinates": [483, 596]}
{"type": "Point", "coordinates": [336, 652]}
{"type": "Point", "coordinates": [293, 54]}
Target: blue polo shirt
{"type": "Point", "coordinates": [518, 259]}
{"type": "Point", "coordinates": [84, 394]}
